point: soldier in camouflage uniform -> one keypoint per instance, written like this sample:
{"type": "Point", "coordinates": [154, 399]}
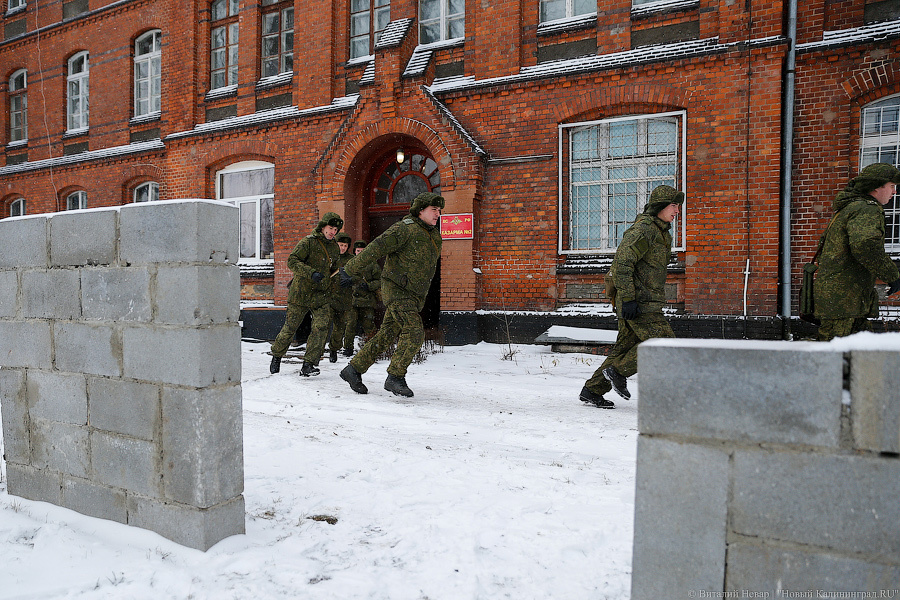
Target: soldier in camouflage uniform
{"type": "Point", "coordinates": [853, 255]}
{"type": "Point", "coordinates": [637, 280]}
{"type": "Point", "coordinates": [341, 300]}
{"type": "Point", "coordinates": [312, 262]}
{"type": "Point", "coordinates": [411, 249]}
{"type": "Point", "coordinates": [365, 297]}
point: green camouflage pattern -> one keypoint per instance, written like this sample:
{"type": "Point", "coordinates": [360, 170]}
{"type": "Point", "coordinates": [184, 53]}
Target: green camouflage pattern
{"type": "Point", "coordinates": [341, 297]}
{"type": "Point", "coordinates": [360, 316]}
{"type": "Point", "coordinates": [852, 259]}
{"type": "Point", "coordinates": [367, 297]}
{"type": "Point", "coordinates": [315, 343]}
{"type": "Point", "coordinates": [638, 271]}
{"type": "Point", "coordinates": [832, 328]}
{"type": "Point", "coordinates": [402, 323]}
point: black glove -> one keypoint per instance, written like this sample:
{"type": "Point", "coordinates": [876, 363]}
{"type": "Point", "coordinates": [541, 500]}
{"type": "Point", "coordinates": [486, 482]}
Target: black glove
{"type": "Point", "coordinates": [344, 280]}
{"type": "Point", "coordinates": [630, 310]}
{"type": "Point", "coordinates": [364, 286]}
{"type": "Point", "coordinates": [895, 287]}
{"type": "Point", "coordinates": [317, 277]}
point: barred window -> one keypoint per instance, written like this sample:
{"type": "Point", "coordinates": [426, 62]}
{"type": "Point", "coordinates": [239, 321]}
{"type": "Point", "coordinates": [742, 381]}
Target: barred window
{"type": "Point", "coordinates": [879, 141]}
{"type": "Point", "coordinates": [147, 65]}
{"type": "Point", "coordinates": [441, 20]}
{"type": "Point", "coordinates": [77, 96]}
{"type": "Point", "coordinates": [368, 18]}
{"type": "Point", "coordinates": [18, 106]}
{"type": "Point", "coordinates": [611, 167]}
{"type": "Point", "coordinates": [223, 45]}
{"type": "Point", "coordinates": [562, 9]}
{"type": "Point", "coordinates": [277, 38]}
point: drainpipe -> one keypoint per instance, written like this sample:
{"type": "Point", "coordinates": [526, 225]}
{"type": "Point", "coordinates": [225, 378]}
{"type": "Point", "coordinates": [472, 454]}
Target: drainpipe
{"type": "Point", "coordinates": [787, 161]}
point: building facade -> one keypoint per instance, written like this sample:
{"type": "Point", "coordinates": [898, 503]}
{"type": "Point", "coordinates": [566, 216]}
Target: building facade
{"type": "Point", "coordinates": [545, 124]}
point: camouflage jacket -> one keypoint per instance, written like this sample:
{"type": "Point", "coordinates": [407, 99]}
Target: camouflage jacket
{"type": "Point", "coordinates": [341, 297]}
{"type": "Point", "coordinates": [638, 270]}
{"type": "Point", "coordinates": [852, 258]}
{"type": "Point", "coordinates": [314, 253]}
{"type": "Point", "coordinates": [411, 250]}
{"type": "Point", "coordinates": [367, 297]}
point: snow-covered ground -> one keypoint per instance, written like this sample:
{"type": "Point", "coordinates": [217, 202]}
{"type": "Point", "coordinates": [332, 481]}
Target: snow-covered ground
{"type": "Point", "coordinates": [493, 482]}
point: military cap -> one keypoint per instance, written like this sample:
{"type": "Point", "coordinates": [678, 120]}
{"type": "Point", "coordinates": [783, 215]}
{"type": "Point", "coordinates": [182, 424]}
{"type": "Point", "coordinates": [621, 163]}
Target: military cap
{"type": "Point", "coordinates": [424, 200]}
{"type": "Point", "coordinates": [661, 197]}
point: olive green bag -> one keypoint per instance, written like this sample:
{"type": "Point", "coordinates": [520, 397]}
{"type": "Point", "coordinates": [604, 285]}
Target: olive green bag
{"type": "Point", "coordinates": [807, 293]}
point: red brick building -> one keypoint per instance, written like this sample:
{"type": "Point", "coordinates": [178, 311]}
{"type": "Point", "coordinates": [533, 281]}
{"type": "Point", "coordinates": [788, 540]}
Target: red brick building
{"type": "Point", "coordinates": [547, 121]}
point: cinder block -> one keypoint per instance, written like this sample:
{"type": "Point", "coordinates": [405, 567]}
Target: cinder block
{"type": "Point", "coordinates": [760, 567]}
{"type": "Point", "coordinates": [51, 294]}
{"type": "Point", "coordinates": [680, 512]}
{"type": "Point", "coordinates": [94, 500]}
{"type": "Point", "coordinates": [748, 392]}
{"type": "Point", "coordinates": [202, 441]}
{"type": "Point", "coordinates": [16, 354]}
{"type": "Point", "coordinates": [844, 502]}
{"type": "Point", "coordinates": [198, 295]}
{"type": "Point", "coordinates": [875, 400]}
{"type": "Point", "coordinates": [60, 397]}
{"type": "Point", "coordinates": [197, 357]}
{"type": "Point", "coordinates": [60, 447]}
{"type": "Point", "coordinates": [87, 348]}
{"type": "Point", "coordinates": [34, 484]}
{"type": "Point", "coordinates": [178, 231]}
{"type": "Point", "coordinates": [189, 526]}
{"type": "Point", "coordinates": [14, 410]}
{"type": "Point", "coordinates": [25, 242]}
{"type": "Point", "coordinates": [9, 293]}
{"type": "Point", "coordinates": [83, 237]}
{"type": "Point", "coordinates": [116, 294]}
{"type": "Point", "coordinates": [126, 407]}
{"type": "Point", "coordinates": [126, 463]}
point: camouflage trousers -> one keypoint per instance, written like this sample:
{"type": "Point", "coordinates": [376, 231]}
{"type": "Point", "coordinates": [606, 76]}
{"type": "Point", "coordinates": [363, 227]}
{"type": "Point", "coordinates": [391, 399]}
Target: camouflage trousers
{"type": "Point", "coordinates": [315, 343]}
{"type": "Point", "coordinates": [363, 314]}
{"type": "Point", "coordinates": [623, 356]}
{"type": "Point", "coordinates": [340, 332]}
{"type": "Point", "coordinates": [832, 328]}
{"type": "Point", "coordinates": [402, 323]}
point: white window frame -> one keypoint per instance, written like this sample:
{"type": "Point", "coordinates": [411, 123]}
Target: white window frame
{"type": "Point", "coordinates": [76, 200]}
{"type": "Point", "coordinates": [368, 19]}
{"type": "Point", "coordinates": [12, 5]}
{"type": "Point", "coordinates": [445, 20]}
{"type": "Point", "coordinates": [18, 106]}
{"type": "Point", "coordinates": [17, 207]}
{"type": "Point", "coordinates": [152, 192]}
{"type": "Point", "coordinates": [279, 59]}
{"type": "Point", "coordinates": [254, 202]}
{"type": "Point", "coordinates": [570, 9]}
{"type": "Point", "coordinates": [565, 171]}
{"type": "Point", "coordinates": [148, 74]}
{"type": "Point", "coordinates": [77, 94]}
{"type": "Point", "coordinates": [229, 51]}
{"type": "Point", "coordinates": [879, 141]}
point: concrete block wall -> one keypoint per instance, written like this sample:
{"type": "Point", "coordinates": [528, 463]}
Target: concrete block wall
{"type": "Point", "coordinates": [120, 368]}
{"type": "Point", "coordinates": [766, 468]}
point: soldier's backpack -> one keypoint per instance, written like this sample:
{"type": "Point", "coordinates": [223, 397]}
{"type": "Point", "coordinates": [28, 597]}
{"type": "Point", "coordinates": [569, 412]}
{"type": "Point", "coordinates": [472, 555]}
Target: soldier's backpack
{"type": "Point", "coordinates": [807, 306]}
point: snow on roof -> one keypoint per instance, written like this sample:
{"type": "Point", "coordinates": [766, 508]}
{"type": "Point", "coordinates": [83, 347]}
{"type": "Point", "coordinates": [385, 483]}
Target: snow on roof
{"type": "Point", "coordinates": [70, 159]}
{"type": "Point", "coordinates": [393, 34]}
{"type": "Point", "coordinates": [418, 62]}
{"type": "Point", "coordinates": [867, 33]}
{"type": "Point", "coordinates": [650, 8]}
{"type": "Point", "coordinates": [368, 76]}
{"type": "Point", "coordinates": [445, 112]}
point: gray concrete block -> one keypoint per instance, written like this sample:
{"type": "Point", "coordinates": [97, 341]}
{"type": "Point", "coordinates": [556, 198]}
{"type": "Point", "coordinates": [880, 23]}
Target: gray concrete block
{"type": "Point", "coordinates": [875, 400]}
{"type": "Point", "coordinates": [749, 392]}
{"type": "Point", "coordinates": [791, 572]}
{"type": "Point", "coordinates": [680, 512]}
{"type": "Point", "coordinates": [198, 295]}
{"type": "Point", "coordinates": [116, 294]}
{"type": "Point", "coordinates": [54, 396]}
{"type": "Point", "coordinates": [83, 237]}
{"type": "Point", "coordinates": [94, 500]}
{"type": "Point", "coordinates": [178, 231]}
{"type": "Point", "coordinates": [187, 525]}
{"type": "Point", "coordinates": [25, 242]}
{"type": "Point", "coordinates": [60, 447]}
{"type": "Point", "coordinates": [14, 412]}
{"type": "Point", "coordinates": [197, 357]}
{"type": "Point", "coordinates": [52, 294]}
{"type": "Point", "coordinates": [87, 348]}
{"type": "Point", "coordinates": [202, 444]}
{"type": "Point", "coordinates": [9, 294]}
{"type": "Point", "coordinates": [36, 353]}
{"type": "Point", "coordinates": [126, 463]}
{"type": "Point", "coordinates": [33, 484]}
{"type": "Point", "coordinates": [847, 503]}
{"type": "Point", "coordinates": [124, 407]}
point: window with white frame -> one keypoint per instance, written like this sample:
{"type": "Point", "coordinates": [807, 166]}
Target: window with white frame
{"type": "Point", "coordinates": [368, 18]}
{"type": "Point", "coordinates": [879, 141]}
{"type": "Point", "coordinates": [146, 192]}
{"type": "Point", "coordinates": [147, 71]}
{"type": "Point", "coordinates": [14, 4]}
{"type": "Point", "coordinates": [250, 186]}
{"type": "Point", "coordinates": [441, 20]}
{"type": "Point", "coordinates": [611, 167]}
{"type": "Point", "coordinates": [223, 46]}
{"type": "Point", "coordinates": [277, 38]}
{"type": "Point", "coordinates": [18, 106]}
{"type": "Point", "coordinates": [17, 207]}
{"type": "Point", "coordinates": [562, 9]}
{"type": "Point", "coordinates": [77, 93]}
{"type": "Point", "coordinates": [76, 200]}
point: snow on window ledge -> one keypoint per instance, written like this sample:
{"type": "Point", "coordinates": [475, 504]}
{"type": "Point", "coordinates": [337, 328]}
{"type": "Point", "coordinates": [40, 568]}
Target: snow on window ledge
{"type": "Point", "coordinates": [652, 8]}
{"type": "Point", "coordinates": [222, 92]}
{"type": "Point", "coordinates": [567, 24]}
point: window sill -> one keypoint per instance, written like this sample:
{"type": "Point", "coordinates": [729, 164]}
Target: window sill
{"type": "Point", "coordinates": [440, 45]}
{"type": "Point", "coordinates": [18, 144]}
{"type": "Point", "coordinates": [223, 92]}
{"type": "Point", "coordinates": [360, 60]}
{"type": "Point", "coordinates": [74, 133]}
{"type": "Point", "coordinates": [15, 11]}
{"type": "Point", "coordinates": [267, 83]}
{"type": "Point", "coordinates": [567, 24]}
{"type": "Point", "coordinates": [143, 119]}
{"type": "Point", "coordinates": [662, 7]}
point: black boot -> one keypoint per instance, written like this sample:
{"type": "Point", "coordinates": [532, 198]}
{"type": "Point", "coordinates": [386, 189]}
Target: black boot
{"type": "Point", "coordinates": [348, 352]}
{"type": "Point", "coordinates": [275, 365]}
{"type": "Point", "coordinates": [332, 356]}
{"type": "Point", "coordinates": [619, 383]}
{"type": "Point", "coordinates": [596, 399]}
{"type": "Point", "coordinates": [352, 376]}
{"type": "Point", "coordinates": [309, 369]}
{"type": "Point", "coordinates": [398, 386]}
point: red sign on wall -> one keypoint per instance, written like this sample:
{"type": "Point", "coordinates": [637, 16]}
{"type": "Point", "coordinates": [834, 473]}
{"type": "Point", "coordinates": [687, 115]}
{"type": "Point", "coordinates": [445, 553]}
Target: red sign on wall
{"type": "Point", "coordinates": [456, 227]}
